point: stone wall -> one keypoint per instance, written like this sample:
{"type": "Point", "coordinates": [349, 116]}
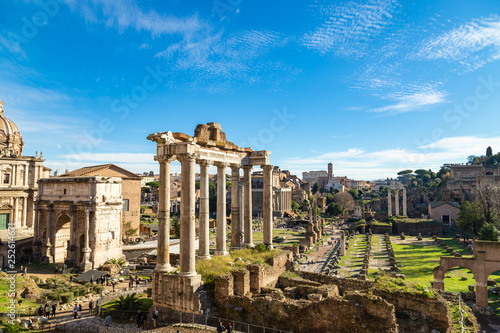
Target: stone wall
{"type": "Point", "coordinates": [177, 292]}
{"type": "Point", "coordinates": [343, 284]}
{"type": "Point", "coordinates": [353, 313]}
{"type": "Point", "coordinates": [420, 307]}
{"type": "Point", "coordinates": [381, 229]}
{"type": "Point", "coordinates": [413, 229]}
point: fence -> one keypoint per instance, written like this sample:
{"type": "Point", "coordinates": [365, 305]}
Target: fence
{"type": "Point", "coordinates": [461, 313]}
{"type": "Point", "coordinates": [190, 319]}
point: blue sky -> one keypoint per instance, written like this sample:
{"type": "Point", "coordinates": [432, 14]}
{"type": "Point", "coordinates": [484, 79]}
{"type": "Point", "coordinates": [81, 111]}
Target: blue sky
{"type": "Point", "coordinates": [373, 86]}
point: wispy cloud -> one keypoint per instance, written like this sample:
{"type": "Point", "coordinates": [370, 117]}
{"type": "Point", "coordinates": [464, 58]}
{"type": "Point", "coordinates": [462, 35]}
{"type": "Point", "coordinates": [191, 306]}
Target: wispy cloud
{"type": "Point", "coordinates": [125, 14]}
{"type": "Point", "coordinates": [349, 27]}
{"type": "Point", "coordinates": [471, 45]}
{"type": "Point", "coordinates": [386, 163]}
{"type": "Point", "coordinates": [417, 101]}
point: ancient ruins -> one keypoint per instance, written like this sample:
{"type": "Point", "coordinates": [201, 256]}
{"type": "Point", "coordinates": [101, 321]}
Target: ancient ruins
{"type": "Point", "coordinates": [483, 264]}
{"type": "Point", "coordinates": [396, 187]}
{"type": "Point", "coordinates": [208, 146]}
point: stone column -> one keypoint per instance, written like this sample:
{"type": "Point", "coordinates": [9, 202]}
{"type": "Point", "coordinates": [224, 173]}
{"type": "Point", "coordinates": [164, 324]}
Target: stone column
{"type": "Point", "coordinates": [204, 252]}
{"type": "Point", "coordinates": [163, 247]}
{"type": "Point", "coordinates": [86, 264]}
{"type": "Point", "coordinates": [247, 206]}
{"type": "Point", "coordinates": [389, 202]}
{"type": "Point", "coordinates": [25, 210]}
{"type": "Point", "coordinates": [16, 212]}
{"type": "Point", "coordinates": [235, 208]}
{"type": "Point", "coordinates": [404, 202]}
{"type": "Point", "coordinates": [72, 235]}
{"type": "Point", "coordinates": [221, 209]}
{"type": "Point", "coordinates": [188, 200]}
{"type": "Point", "coordinates": [268, 205]}
{"type": "Point", "coordinates": [396, 202]}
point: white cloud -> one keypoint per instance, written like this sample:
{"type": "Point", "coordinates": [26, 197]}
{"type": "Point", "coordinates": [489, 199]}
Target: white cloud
{"type": "Point", "coordinates": [125, 14]}
{"type": "Point", "coordinates": [348, 28]}
{"type": "Point", "coordinates": [359, 164]}
{"type": "Point", "coordinates": [417, 101]}
{"type": "Point", "coordinates": [472, 45]}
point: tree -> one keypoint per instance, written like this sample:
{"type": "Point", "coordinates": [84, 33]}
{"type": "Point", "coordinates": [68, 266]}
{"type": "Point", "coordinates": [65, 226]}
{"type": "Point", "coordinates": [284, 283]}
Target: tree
{"type": "Point", "coordinates": [145, 189]}
{"type": "Point", "coordinates": [354, 193]}
{"type": "Point", "coordinates": [489, 152]}
{"type": "Point", "coordinates": [334, 209]}
{"type": "Point", "coordinates": [345, 201]}
{"type": "Point", "coordinates": [295, 206]}
{"type": "Point", "coordinates": [487, 200]}
{"type": "Point", "coordinates": [489, 233]}
{"type": "Point", "coordinates": [329, 198]}
{"type": "Point", "coordinates": [316, 187]}
{"type": "Point", "coordinates": [305, 205]}
{"type": "Point", "coordinates": [404, 172]}
{"type": "Point", "coordinates": [470, 218]}
{"type": "Point", "coordinates": [153, 184]}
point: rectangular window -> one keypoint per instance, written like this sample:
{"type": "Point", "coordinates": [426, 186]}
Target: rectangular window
{"type": "Point", "coordinates": [4, 221]}
{"type": "Point", "coordinates": [6, 178]}
{"type": "Point", "coordinates": [125, 205]}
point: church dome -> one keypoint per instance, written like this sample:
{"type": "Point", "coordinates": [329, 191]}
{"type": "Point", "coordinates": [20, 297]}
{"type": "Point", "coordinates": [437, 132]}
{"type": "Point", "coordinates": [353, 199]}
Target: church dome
{"type": "Point", "coordinates": [11, 141]}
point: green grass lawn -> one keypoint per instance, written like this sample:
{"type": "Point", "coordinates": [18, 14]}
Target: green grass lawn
{"type": "Point", "coordinates": [26, 307]}
{"type": "Point", "coordinates": [290, 236]}
{"type": "Point", "coordinates": [419, 262]}
{"type": "Point", "coordinates": [350, 262]}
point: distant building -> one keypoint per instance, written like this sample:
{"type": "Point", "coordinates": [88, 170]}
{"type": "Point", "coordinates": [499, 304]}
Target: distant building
{"type": "Point", "coordinates": [444, 212]}
{"type": "Point", "coordinates": [19, 177]}
{"type": "Point", "coordinates": [131, 189]}
{"type": "Point", "coordinates": [313, 176]}
{"type": "Point", "coordinates": [79, 220]}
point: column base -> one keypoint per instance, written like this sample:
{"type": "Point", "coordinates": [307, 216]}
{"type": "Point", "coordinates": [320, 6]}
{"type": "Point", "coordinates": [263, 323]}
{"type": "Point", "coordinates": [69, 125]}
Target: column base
{"type": "Point", "coordinates": [221, 253]}
{"type": "Point", "coordinates": [188, 274]}
{"type": "Point", "coordinates": [160, 268]}
{"type": "Point", "coordinates": [86, 266]}
{"type": "Point", "coordinates": [208, 256]}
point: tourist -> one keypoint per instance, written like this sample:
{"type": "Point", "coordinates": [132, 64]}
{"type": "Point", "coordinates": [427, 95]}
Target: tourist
{"type": "Point", "coordinates": [71, 280]}
{"type": "Point", "coordinates": [75, 311]}
{"type": "Point", "coordinates": [145, 283]}
{"type": "Point", "coordinates": [229, 328]}
{"type": "Point", "coordinates": [54, 310]}
{"type": "Point", "coordinates": [144, 319]}
{"type": "Point", "coordinates": [40, 310]}
{"type": "Point", "coordinates": [80, 310]}
{"type": "Point", "coordinates": [91, 305]}
{"type": "Point", "coordinates": [220, 328]}
{"type": "Point", "coordinates": [155, 317]}
{"type": "Point", "coordinates": [46, 310]}
{"type": "Point", "coordinates": [108, 320]}
{"type": "Point", "coordinates": [91, 281]}
{"type": "Point", "coordinates": [139, 318]}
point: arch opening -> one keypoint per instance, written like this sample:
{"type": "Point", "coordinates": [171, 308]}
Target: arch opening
{"type": "Point", "coordinates": [61, 238]}
{"type": "Point", "coordinates": [457, 279]}
{"type": "Point", "coordinates": [494, 291]}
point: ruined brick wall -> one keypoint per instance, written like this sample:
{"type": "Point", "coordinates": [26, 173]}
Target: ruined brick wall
{"type": "Point", "coordinates": [342, 283]}
{"type": "Point", "coordinates": [224, 288]}
{"type": "Point", "coordinates": [433, 310]}
{"type": "Point", "coordinates": [355, 313]}
{"type": "Point", "coordinates": [413, 229]}
{"type": "Point", "coordinates": [241, 282]}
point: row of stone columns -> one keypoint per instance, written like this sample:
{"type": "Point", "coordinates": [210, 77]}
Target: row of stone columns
{"type": "Point", "coordinates": [396, 202]}
{"type": "Point", "coordinates": [241, 219]}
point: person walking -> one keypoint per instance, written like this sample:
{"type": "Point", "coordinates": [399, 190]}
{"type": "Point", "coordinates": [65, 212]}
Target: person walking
{"type": "Point", "coordinates": [108, 320]}
{"type": "Point", "coordinates": [229, 328]}
{"type": "Point", "coordinates": [80, 310]}
{"type": "Point", "coordinates": [155, 317]}
{"type": "Point", "coordinates": [71, 280]}
{"type": "Point", "coordinates": [46, 310]}
{"type": "Point", "coordinates": [75, 311]}
{"type": "Point", "coordinates": [54, 310]}
{"type": "Point", "coordinates": [91, 306]}
{"type": "Point", "coordinates": [139, 318]}
{"type": "Point", "coordinates": [220, 328]}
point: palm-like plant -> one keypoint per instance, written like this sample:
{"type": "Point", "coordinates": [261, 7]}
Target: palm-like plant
{"type": "Point", "coordinates": [126, 303]}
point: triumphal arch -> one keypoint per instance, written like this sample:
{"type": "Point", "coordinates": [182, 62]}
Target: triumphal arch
{"type": "Point", "coordinates": [208, 146]}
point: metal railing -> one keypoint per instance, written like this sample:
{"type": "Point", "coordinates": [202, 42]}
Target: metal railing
{"type": "Point", "coordinates": [461, 313]}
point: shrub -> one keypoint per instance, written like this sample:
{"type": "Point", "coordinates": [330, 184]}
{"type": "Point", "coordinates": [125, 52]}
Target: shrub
{"type": "Point", "coordinates": [66, 297]}
{"type": "Point", "coordinates": [97, 289]}
{"type": "Point", "coordinates": [261, 248]}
